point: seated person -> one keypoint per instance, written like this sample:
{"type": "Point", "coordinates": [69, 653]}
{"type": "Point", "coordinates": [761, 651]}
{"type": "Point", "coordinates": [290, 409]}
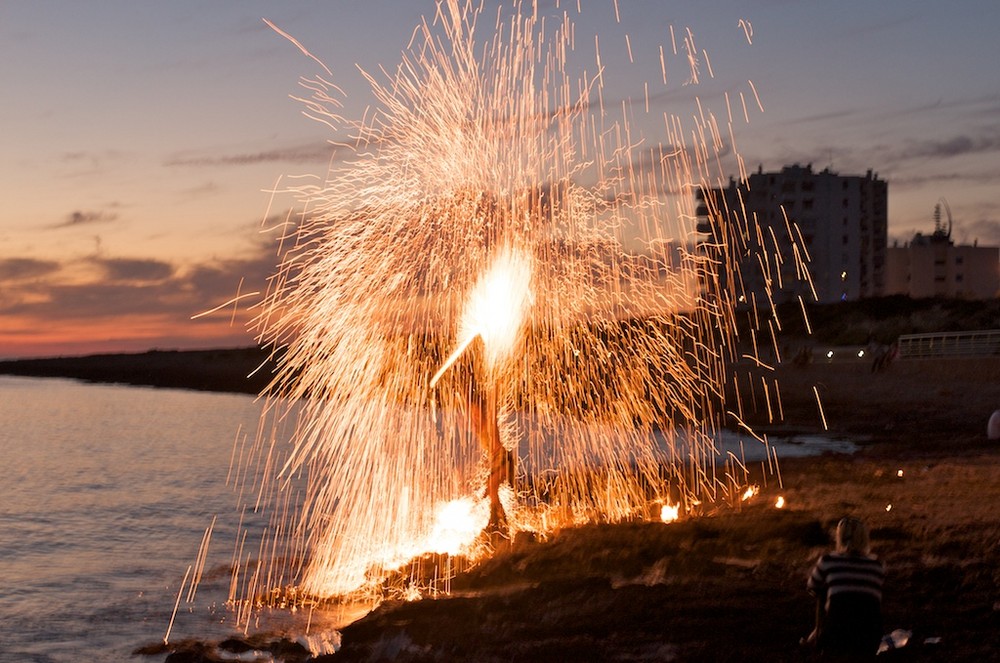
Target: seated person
{"type": "Point", "coordinates": [847, 584]}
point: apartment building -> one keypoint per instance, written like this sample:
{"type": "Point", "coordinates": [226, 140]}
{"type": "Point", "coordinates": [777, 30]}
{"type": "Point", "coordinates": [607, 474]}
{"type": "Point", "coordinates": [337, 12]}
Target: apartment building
{"type": "Point", "coordinates": [933, 266]}
{"type": "Point", "coordinates": [782, 224]}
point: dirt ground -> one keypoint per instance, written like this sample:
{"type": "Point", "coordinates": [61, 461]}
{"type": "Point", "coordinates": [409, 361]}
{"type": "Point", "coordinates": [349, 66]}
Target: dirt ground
{"type": "Point", "coordinates": [731, 587]}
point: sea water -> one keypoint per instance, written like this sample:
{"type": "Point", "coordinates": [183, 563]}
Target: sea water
{"type": "Point", "coordinates": [106, 492]}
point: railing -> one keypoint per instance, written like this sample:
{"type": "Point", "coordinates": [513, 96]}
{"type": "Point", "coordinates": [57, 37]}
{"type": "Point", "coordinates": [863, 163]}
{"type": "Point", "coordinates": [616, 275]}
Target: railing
{"type": "Point", "coordinates": [957, 344]}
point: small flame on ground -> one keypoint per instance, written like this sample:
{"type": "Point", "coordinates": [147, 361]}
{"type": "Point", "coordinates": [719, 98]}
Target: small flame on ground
{"type": "Point", "coordinates": [888, 507]}
{"type": "Point", "coordinates": [412, 593]}
{"type": "Point", "coordinates": [670, 512]}
{"type": "Point", "coordinates": [457, 524]}
{"type": "Point", "coordinates": [899, 473]}
{"type": "Point", "coordinates": [750, 492]}
{"type": "Point", "coordinates": [780, 502]}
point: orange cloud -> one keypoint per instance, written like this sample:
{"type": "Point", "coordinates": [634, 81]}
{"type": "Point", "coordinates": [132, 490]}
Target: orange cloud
{"type": "Point", "coordinates": [27, 336]}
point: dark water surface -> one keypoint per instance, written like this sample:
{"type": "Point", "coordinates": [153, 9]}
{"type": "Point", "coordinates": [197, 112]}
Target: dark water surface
{"type": "Point", "coordinates": [105, 495]}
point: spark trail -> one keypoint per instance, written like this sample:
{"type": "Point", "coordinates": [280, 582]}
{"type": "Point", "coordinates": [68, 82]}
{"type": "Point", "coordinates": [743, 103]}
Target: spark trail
{"type": "Point", "coordinates": [465, 267]}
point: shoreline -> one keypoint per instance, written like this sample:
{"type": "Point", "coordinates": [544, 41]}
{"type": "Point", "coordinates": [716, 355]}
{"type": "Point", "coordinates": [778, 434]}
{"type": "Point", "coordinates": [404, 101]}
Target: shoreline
{"type": "Point", "coordinates": [234, 370]}
{"type": "Point", "coordinates": [927, 400]}
{"type": "Point", "coordinates": [731, 587]}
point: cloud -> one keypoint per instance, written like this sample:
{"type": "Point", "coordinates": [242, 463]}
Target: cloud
{"type": "Point", "coordinates": [132, 269]}
{"type": "Point", "coordinates": [984, 107]}
{"type": "Point", "coordinates": [937, 179]}
{"type": "Point", "coordinates": [907, 162]}
{"type": "Point", "coordinates": [90, 163]}
{"type": "Point", "coordinates": [92, 301]}
{"type": "Point", "coordinates": [18, 269]}
{"type": "Point", "coordinates": [822, 117]}
{"type": "Point", "coordinates": [125, 287]}
{"type": "Point", "coordinates": [868, 30]}
{"type": "Point", "coordinates": [954, 146]}
{"type": "Point", "coordinates": [209, 188]}
{"type": "Point", "coordinates": [82, 218]}
{"type": "Point", "coordinates": [984, 231]}
{"type": "Point", "coordinates": [311, 153]}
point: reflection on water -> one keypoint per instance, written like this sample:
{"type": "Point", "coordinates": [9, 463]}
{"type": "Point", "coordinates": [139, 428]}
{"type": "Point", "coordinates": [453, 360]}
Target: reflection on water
{"type": "Point", "coordinates": [107, 491]}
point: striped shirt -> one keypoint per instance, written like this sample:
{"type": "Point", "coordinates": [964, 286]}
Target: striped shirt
{"type": "Point", "coordinates": [836, 574]}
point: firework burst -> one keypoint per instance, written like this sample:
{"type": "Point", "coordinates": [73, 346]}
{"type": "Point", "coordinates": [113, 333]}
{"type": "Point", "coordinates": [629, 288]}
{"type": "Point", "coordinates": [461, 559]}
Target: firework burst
{"type": "Point", "coordinates": [461, 328]}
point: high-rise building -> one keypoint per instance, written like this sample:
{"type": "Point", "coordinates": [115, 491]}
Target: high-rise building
{"type": "Point", "coordinates": [784, 223]}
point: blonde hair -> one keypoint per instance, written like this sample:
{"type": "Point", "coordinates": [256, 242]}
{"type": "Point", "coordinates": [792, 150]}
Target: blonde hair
{"type": "Point", "coordinates": [852, 537]}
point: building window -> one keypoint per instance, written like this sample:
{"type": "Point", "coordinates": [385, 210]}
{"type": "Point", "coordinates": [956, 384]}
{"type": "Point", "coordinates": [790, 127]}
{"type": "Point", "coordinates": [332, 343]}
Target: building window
{"type": "Point", "coordinates": [958, 260]}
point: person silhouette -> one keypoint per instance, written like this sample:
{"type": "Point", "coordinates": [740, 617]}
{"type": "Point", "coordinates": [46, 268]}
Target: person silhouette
{"type": "Point", "coordinates": [482, 405]}
{"type": "Point", "coordinates": [847, 584]}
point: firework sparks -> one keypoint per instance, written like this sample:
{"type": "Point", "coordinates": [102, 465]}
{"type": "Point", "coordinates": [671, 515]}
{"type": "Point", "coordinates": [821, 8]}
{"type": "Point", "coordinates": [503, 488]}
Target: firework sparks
{"type": "Point", "coordinates": [464, 273]}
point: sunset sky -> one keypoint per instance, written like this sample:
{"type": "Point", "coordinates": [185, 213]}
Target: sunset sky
{"type": "Point", "coordinates": [140, 139]}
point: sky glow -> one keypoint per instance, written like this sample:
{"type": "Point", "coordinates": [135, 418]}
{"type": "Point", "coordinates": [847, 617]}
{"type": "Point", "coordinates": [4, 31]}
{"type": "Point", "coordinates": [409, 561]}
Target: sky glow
{"type": "Point", "coordinates": [142, 139]}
